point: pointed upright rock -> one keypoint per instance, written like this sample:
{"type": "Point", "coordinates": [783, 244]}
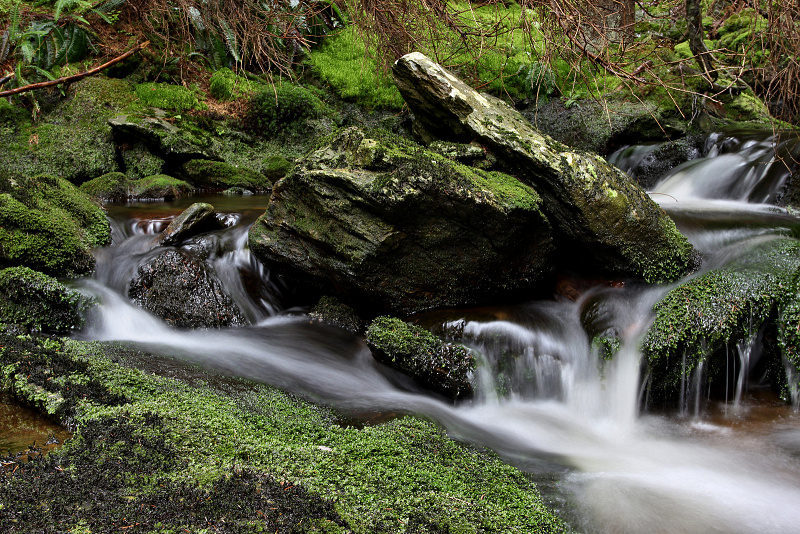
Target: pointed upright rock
{"type": "Point", "coordinates": [598, 210]}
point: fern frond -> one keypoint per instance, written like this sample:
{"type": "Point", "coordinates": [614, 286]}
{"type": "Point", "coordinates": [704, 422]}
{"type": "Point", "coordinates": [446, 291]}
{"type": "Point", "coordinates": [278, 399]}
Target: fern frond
{"type": "Point", "coordinates": [230, 40]}
{"type": "Point", "coordinates": [62, 5]}
{"type": "Point", "coordinates": [108, 5]}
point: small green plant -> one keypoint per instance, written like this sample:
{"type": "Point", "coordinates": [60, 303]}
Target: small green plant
{"type": "Point", "coordinates": [166, 96]}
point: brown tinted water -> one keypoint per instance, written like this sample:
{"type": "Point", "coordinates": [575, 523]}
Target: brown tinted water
{"type": "Point", "coordinates": [22, 428]}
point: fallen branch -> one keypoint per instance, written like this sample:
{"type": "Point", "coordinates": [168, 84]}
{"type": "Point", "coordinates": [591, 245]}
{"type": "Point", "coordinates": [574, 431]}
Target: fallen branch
{"type": "Point", "coordinates": [74, 77]}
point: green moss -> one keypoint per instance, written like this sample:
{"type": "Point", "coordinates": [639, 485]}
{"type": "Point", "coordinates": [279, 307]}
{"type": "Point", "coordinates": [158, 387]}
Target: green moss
{"type": "Point", "coordinates": [699, 319]}
{"type": "Point", "coordinates": [159, 186]}
{"type": "Point", "coordinates": [168, 97]}
{"type": "Point", "coordinates": [143, 441]}
{"type": "Point", "coordinates": [342, 62]}
{"type": "Point", "coordinates": [284, 109]}
{"type": "Point", "coordinates": [39, 302]}
{"type": "Point", "coordinates": [221, 175]}
{"type": "Point", "coordinates": [140, 162]}
{"type": "Point", "coordinates": [109, 187]}
{"type": "Point", "coordinates": [415, 351]}
{"type": "Point", "coordinates": [224, 84]}
{"type": "Point", "coordinates": [48, 224]}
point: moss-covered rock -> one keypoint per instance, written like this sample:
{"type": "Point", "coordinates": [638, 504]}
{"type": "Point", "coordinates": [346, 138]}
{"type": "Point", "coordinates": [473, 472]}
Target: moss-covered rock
{"type": "Point", "coordinates": [111, 187]}
{"type": "Point", "coordinates": [384, 224]}
{"type": "Point", "coordinates": [166, 139]}
{"type": "Point", "coordinates": [610, 221]}
{"type": "Point", "coordinates": [47, 224]}
{"type": "Point", "coordinates": [334, 312]}
{"type": "Point", "coordinates": [166, 96]}
{"type": "Point", "coordinates": [139, 162]}
{"type": "Point", "coordinates": [39, 302]}
{"type": "Point", "coordinates": [160, 187]}
{"type": "Point", "coordinates": [73, 140]}
{"type": "Point", "coordinates": [701, 320]}
{"type": "Point", "coordinates": [174, 449]}
{"type": "Point", "coordinates": [210, 174]}
{"type": "Point", "coordinates": [444, 367]}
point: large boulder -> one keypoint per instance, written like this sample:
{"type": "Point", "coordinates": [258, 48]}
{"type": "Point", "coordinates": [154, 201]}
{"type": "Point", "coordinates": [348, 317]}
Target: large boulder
{"type": "Point", "coordinates": [699, 324]}
{"type": "Point", "coordinates": [612, 223]}
{"type": "Point", "coordinates": [47, 224]}
{"type": "Point", "coordinates": [387, 225]}
{"type": "Point", "coordinates": [183, 291]}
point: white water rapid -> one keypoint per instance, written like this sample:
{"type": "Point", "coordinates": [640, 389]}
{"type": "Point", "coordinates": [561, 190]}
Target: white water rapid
{"type": "Point", "coordinates": [545, 400]}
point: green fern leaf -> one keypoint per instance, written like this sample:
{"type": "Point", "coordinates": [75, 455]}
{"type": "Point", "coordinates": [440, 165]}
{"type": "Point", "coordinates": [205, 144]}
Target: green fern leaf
{"type": "Point", "coordinates": [230, 40]}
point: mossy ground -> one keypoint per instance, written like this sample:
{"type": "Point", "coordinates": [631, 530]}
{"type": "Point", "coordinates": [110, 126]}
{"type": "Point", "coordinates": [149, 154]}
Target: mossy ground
{"type": "Point", "coordinates": [227, 455]}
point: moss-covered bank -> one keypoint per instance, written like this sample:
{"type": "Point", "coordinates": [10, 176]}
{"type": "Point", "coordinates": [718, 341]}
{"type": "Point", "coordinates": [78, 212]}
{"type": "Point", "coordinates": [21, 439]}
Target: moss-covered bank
{"type": "Point", "coordinates": [156, 454]}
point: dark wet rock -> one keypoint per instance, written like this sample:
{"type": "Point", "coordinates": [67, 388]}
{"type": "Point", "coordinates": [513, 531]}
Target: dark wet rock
{"type": "Point", "coordinates": [698, 324]}
{"type": "Point", "coordinates": [233, 191]}
{"type": "Point", "coordinates": [162, 137]}
{"type": "Point", "coordinates": [332, 311]}
{"type": "Point", "coordinates": [210, 174]}
{"type": "Point", "coordinates": [384, 224]}
{"type": "Point", "coordinates": [603, 127]}
{"type": "Point", "coordinates": [443, 367]}
{"type": "Point", "coordinates": [663, 159]}
{"type": "Point", "coordinates": [111, 187]}
{"type": "Point", "coordinates": [47, 224]}
{"type": "Point", "coordinates": [196, 219]}
{"type": "Point", "coordinates": [39, 302]}
{"type": "Point", "coordinates": [612, 223]}
{"type": "Point", "coordinates": [184, 292]}
{"type": "Point", "coordinates": [159, 187]}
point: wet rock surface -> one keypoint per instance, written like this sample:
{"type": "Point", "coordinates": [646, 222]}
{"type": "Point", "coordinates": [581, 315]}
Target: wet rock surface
{"type": "Point", "coordinates": [198, 218]}
{"type": "Point", "coordinates": [183, 291]}
{"type": "Point", "coordinates": [382, 223]}
{"type": "Point", "coordinates": [608, 217]}
{"type": "Point", "coordinates": [443, 367]}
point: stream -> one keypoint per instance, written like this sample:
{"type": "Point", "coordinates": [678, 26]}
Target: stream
{"type": "Point", "coordinates": [606, 461]}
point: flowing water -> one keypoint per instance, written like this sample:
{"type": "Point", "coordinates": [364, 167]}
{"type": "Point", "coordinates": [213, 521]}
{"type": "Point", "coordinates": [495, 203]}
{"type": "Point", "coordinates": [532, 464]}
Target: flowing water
{"type": "Point", "coordinates": [545, 401]}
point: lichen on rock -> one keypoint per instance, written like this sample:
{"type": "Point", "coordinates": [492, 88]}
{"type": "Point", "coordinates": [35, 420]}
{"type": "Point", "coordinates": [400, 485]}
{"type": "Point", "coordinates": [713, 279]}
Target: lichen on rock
{"type": "Point", "coordinates": [608, 218]}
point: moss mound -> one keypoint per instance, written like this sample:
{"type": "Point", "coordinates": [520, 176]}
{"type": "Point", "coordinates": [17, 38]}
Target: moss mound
{"type": "Point", "coordinates": [49, 225]}
{"type": "Point", "coordinates": [110, 187]}
{"type": "Point", "coordinates": [154, 454]}
{"type": "Point", "coordinates": [169, 97]}
{"type": "Point", "coordinates": [160, 187]}
{"type": "Point", "coordinates": [39, 302]}
{"type": "Point", "coordinates": [74, 139]}
{"type": "Point", "coordinates": [209, 174]}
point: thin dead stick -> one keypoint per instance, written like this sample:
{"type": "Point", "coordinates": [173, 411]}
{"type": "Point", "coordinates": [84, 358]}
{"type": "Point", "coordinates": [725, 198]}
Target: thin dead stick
{"type": "Point", "coordinates": [74, 77]}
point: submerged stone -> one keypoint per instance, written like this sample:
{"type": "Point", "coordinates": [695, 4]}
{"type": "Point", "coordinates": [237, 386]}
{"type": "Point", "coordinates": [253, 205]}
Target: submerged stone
{"type": "Point", "coordinates": [610, 221]}
{"type": "Point", "coordinates": [444, 367]}
{"type": "Point", "coordinates": [184, 292]}
{"type": "Point", "coordinates": [385, 224]}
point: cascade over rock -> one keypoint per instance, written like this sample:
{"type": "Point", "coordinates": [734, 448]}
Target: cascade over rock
{"type": "Point", "coordinates": [601, 210]}
{"type": "Point", "coordinates": [388, 225]}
